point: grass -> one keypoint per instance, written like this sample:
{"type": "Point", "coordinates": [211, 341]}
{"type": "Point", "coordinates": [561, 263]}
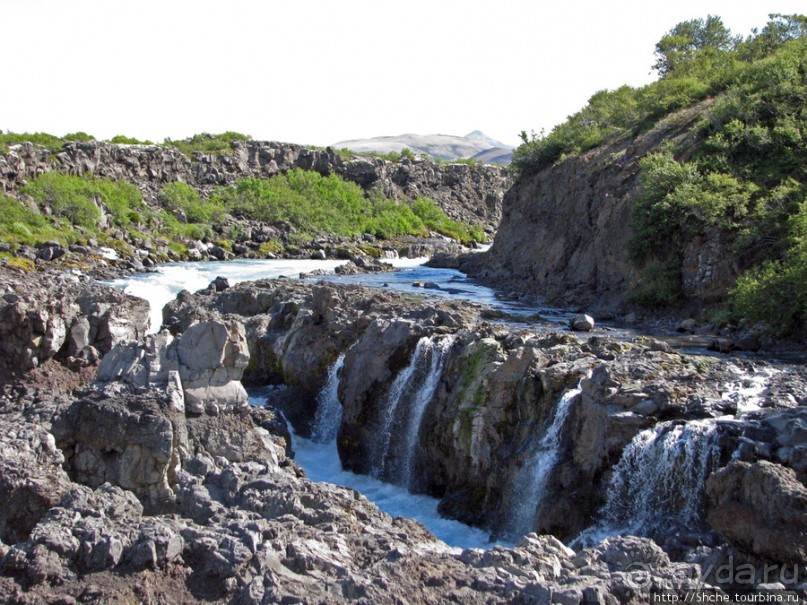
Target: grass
{"type": "Point", "coordinates": [205, 143]}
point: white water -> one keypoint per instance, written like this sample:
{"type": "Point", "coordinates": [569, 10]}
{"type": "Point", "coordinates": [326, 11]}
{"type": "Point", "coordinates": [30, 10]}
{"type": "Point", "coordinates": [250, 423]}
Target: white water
{"type": "Point", "coordinates": [420, 402]}
{"type": "Point", "coordinates": [391, 402]}
{"type": "Point", "coordinates": [747, 391]}
{"type": "Point", "coordinates": [659, 481]}
{"type": "Point", "coordinates": [160, 286]}
{"type": "Point", "coordinates": [163, 284]}
{"type": "Point", "coordinates": [329, 409]}
{"type": "Point", "coordinates": [403, 410]}
{"type": "Point", "coordinates": [533, 477]}
{"type": "Point", "coordinates": [321, 463]}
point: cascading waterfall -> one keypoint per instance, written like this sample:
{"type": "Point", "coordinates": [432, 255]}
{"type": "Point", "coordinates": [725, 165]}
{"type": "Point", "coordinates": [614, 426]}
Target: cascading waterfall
{"type": "Point", "coordinates": [658, 483]}
{"type": "Point", "coordinates": [532, 479]}
{"type": "Point", "coordinates": [390, 407]}
{"type": "Point", "coordinates": [328, 416]}
{"type": "Point", "coordinates": [404, 408]}
{"type": "Point", "coordinates": [420, 401]}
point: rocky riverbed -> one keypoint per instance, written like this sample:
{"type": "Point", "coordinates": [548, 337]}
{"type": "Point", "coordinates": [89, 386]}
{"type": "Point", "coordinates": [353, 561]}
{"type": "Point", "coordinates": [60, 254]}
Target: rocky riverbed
{"type": "Point", "coordinates": [133, 469]}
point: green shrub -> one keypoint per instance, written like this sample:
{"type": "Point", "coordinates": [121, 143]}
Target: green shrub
{"type": "Point", "coordinates": [76, 198]}
{"type": "Point", "coordinates": [120, 139]}
{"type": "Point", "coordinates": [435, 219]}
{"type": "Point", "coordinates": [217, 144]}
{"type": "Point", "coordinates": [22, 225]}
{"type": "Point", "coordinates": [178, 196]}
{"type": "Point", "coordinates": [697, 59]}
{"type": "Point", "coordinates": [659, 284]}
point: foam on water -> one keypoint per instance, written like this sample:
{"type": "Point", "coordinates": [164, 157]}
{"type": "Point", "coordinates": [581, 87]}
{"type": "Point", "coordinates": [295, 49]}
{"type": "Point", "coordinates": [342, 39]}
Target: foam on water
{"type": "Point", "coordinates": [532, 479]}
{"type": "Point", "coordinates": [321, 463]}
{"type": "Point", "coordinates": [161, 286]}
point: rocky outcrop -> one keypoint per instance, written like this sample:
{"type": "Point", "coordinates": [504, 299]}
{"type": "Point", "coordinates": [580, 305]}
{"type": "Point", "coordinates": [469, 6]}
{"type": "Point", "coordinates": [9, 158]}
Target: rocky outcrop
{"type": "Point", "coordinates": [161, 504]}
{"type": "Point", "coordinates": [564, 230]}
{"type": "Point", "coordinates": [123, 492]}
{"type": "Point", "coordinates": [492, 394]}
{"type": "Point", "coordinates": [62, 316]}
{"type": "Point", "coordinates": [467, 193]}
{"type": "Point", "coordinates": [761, 507]}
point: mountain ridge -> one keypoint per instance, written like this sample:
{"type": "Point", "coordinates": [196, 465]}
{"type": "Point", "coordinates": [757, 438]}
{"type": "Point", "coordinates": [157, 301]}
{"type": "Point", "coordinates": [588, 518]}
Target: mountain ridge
{"type": "Point", "coordinates": [475, 144]}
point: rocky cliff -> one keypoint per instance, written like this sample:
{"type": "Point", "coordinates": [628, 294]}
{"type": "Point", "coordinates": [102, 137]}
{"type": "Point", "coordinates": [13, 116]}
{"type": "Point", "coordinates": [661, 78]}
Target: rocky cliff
{"type": "Point", "coordinates": [565, 230]}
{"type": "Point", "coordinates": [467, 193]}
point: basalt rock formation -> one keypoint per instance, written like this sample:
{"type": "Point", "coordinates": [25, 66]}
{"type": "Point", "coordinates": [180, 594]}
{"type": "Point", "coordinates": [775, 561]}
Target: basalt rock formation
{"type": "Point", "coordinates": [117, 492]}
{"type": "Point", "coordinates": [467, 193]}
{"type": "Point", "coordinates": [439, 400]}
{"type": "Point", "coordinates": [565, 230]}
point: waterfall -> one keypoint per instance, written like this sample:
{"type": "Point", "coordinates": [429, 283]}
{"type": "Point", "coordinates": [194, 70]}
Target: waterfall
{"type": "Point", "coordinates": [533, 477]}
{"type": "Point", "coordinates": [658, 483]}
{"type": "Point", "coordinates": [404, 407]}
{"type": "Point", "coordinates": [420, 401]}
{"type": "Point", "coordinates": [328, 416]}
{"type": "Point", "coordinates": [390, 407]}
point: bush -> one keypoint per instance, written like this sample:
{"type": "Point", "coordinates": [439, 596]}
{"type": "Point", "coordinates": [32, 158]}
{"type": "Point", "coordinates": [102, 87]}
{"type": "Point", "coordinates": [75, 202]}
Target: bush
{"type": "Point", "coordinates": [217, 144]}
{"type": "Point", "coordinates": [22, 225]}
{"type": "Point", "coordinates": [697, 59]}
{"type": "Point", "coordinates": [120, 139]}
{"type": "Point", "coordinates": [182, 198]}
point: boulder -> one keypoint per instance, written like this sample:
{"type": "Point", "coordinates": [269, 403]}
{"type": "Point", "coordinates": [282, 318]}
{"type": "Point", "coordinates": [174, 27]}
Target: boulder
{"type": "Point", "coordinates": [130, 441]}
{"type": "Point", "coordinates": [582, 323]}
{"type": "Point", "coordinates": [760, 508]}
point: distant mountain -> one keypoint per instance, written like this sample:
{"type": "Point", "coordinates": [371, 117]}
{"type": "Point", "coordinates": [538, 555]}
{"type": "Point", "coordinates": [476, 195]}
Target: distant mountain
{"type": "Point", "coordinates": [440, 146]}
{"type": "Point", "coordinates": [495, 155]}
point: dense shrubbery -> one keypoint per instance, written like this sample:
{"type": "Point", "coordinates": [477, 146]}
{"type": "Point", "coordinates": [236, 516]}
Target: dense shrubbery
{"type": "Point", "coordinates": [218, 144]}
{"type": "Point", "coordinates": [745, 181]}
{"type": "Point", "coordinates": [77, 199]}
{"type": "Point", "coordinates": [314, 204]}
{"type": "Point", "coordinates": [748, 183]}
{"type": "Point", "coordinates": [50, 141]}
{"type": "Point", "coordinates": [121, 139]}
{"type": "Point", "coordinates": [697, 59]}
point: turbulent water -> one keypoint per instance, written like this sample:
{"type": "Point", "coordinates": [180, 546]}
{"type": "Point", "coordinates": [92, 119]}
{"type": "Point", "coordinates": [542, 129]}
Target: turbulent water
{"type": "Point", "coordinates": [329, 410]}
{"type": "Point", "coordinates": [403, 410]}
{"type": "Point", "coordinates": [321, 463]}
{"type": "Point", "coordinates": [658, 484]}
{"type": "Point", "coordinates": [532, 479]}
{"type": "Point", "coordinates": [161, 285]}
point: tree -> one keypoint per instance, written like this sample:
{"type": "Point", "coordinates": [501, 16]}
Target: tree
{"type": "Point", "coordinates": [684, 41]}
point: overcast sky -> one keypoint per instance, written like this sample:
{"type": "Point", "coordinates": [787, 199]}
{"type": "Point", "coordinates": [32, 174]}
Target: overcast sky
{"type": "Point", "coordinates": [321, 71]}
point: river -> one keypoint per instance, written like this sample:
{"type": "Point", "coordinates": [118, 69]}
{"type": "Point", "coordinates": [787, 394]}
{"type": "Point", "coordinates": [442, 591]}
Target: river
{"type": "Point", "coordinates": [321, 460]}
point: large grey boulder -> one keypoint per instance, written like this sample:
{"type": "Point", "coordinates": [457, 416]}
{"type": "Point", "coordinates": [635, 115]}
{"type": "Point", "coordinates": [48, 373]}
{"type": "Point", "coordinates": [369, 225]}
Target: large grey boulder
{"type": "Point", "coordinates": [200, 371]}
{"type": "Point", "coordinates": [762, 508]}
{"type": "Point", "coordinates": [212, 357]}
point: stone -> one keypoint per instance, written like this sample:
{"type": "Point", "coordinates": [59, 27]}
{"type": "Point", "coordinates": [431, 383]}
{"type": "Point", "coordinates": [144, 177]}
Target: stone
{"type": "Point", "coordinates": [761, 508]}
{"type": "Point", "coordinates": [581, 323]}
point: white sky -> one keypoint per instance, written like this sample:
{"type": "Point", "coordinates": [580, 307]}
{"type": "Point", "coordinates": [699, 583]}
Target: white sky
{"type": "Point", "coordinates": [321, 71]}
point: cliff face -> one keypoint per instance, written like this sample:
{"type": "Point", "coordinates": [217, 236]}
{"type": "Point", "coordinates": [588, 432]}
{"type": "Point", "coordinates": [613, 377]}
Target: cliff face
{"type": "Point", "coordinates": [565, 229]}
{"type": "Point", "coordinates": [468, 193]}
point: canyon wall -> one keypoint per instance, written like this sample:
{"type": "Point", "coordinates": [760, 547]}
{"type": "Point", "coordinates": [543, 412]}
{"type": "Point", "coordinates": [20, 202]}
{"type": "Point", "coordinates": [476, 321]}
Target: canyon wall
{"type": "Point", "coordinates": [468, 193]}
{"type": "Point", "coordinates": [565, 230]}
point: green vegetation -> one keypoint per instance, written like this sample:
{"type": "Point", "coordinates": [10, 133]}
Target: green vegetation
{"type": "Point", "coordinates": [20, 224]}
{"type": "Point", "coordinates": [53, 143]}
{"type": "Point", "coordinates": [697, 59]}
{"type": "Point", "coordinates": [120, 139]}
{"type": "Point", "coordinates": [179, 198]}
{"type": "Point", "coordinates": [77, 199]}
{"type": "Point", "coordinates": [217, 144]}
{"type": "Point", "coordinates": [395, 156]}
{"type": "Point", "coordinates": [741, 180]}
{"type": "Point", "coordinates": [314, 204]}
